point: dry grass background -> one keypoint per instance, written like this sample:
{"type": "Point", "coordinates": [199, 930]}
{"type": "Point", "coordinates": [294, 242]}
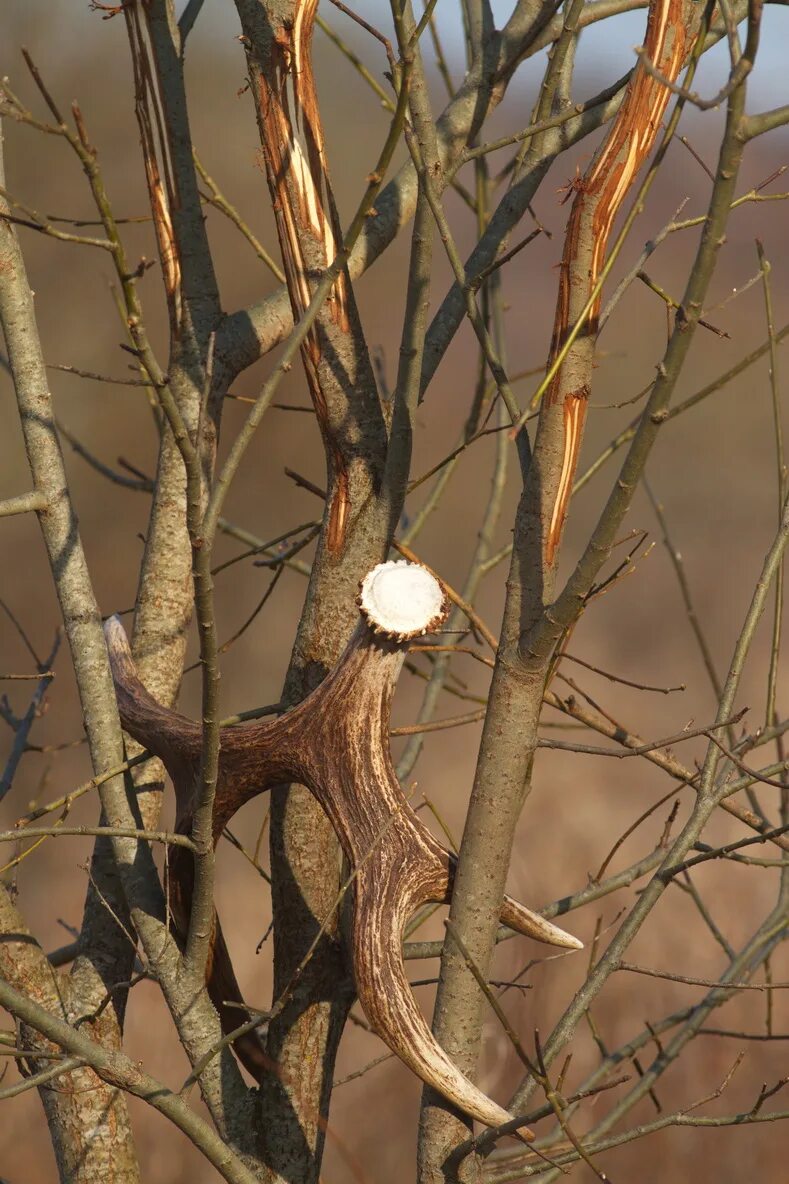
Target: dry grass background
{"type": "Point", "coordinates": [714, 470]}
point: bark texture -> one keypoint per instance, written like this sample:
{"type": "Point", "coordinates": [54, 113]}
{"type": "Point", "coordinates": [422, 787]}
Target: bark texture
{"type": "Point", "coordinates": [306, 864]}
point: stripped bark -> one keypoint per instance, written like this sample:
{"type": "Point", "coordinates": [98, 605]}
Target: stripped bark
{"type": "Point", "coordinates": [504, 765]}
{"type": "Point", "coordinates": [278, 42]}
{"type": "Point", "coordinates": [302, 1043]}
{"type": "Point", "coordinates": [251, 333]}
{"type": "Point", "coordinates": [164, 597]}
{"type": "Point", "coordinates": [331, 741]}
{"type": "Point", "coordinates": [599, 196]}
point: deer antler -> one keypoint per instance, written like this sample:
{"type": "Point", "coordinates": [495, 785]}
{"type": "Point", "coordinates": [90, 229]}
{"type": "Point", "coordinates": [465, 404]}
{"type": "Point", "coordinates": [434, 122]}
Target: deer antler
{"type": "Point", "coordinates": [336, 742]}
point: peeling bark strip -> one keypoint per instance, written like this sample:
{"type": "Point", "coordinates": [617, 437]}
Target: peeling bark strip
{"type": "Point", "coordinates": [296, 162]}
{"type": "Point", "coordinates": [161, 190]}
{"type": "Point", "coordinates": [598, 199]}
{"type": "Point", "coordinates": [305, 862]}
{"type": "Point", "coordinates": [307, 223]}
{"type": "Point", "coordinates": [336, 742]}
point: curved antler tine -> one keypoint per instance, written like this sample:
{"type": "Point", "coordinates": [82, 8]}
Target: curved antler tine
{"type": "Point", "coordinates": [220, 977]}
{"type": "Point", "coordinates": [382, 907]}
{"type": "Point", "coordinates": [513, 913]}
{"type": "Point", "coordinates": [224, 990]}
{"type": "Point", "coordinates": [177, 741]}
{"type": "Point", "coordinates": [523, 920]}
{"type": "Point", "coordinates": [166, 733]}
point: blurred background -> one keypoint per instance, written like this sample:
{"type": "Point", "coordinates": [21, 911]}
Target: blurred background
{"type": "Point", "coordinates": [714, 470]}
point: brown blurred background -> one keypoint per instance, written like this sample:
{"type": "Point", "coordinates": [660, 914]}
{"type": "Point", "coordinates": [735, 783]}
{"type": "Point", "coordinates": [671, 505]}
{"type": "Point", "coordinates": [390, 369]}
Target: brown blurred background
{"type": "Point", "coordinates": [714, 469]}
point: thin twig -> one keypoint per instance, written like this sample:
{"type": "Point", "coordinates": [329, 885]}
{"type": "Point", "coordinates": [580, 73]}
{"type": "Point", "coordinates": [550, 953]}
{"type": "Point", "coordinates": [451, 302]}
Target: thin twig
{"type": "Point", "coordinates": [687, 980]}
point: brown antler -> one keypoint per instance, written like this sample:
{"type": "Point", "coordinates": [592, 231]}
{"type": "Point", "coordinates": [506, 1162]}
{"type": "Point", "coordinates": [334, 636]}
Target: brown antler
{"type": "Point", "coordinates": [336, 742]}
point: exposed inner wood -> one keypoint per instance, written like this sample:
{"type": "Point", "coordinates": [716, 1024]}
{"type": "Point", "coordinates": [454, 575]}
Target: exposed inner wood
{"type": "Point", "coordinates": [162, 187]}
{"type": "Point", "coordinates": [306, 216]}
{"type": "Point", "coordinates": [599, 196]}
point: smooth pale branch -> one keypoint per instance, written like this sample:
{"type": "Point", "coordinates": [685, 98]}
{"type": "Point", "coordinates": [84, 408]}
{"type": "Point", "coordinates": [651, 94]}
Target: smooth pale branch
{"type": "Point", "coordinates": [335, 742]}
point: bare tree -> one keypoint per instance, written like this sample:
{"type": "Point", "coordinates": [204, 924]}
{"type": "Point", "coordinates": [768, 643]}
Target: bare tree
{"type": "Point", "coordinates": [354, 869]}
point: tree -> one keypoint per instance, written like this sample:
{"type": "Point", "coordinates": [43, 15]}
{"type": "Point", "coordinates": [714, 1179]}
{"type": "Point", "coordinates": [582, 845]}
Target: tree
{"type": "Point", "coordinates": [351, 861]}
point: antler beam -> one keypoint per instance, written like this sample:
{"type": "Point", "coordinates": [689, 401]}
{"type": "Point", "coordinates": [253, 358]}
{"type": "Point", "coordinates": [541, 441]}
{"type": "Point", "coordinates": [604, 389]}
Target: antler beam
{"type": "Point", "coordinates": [336, 742]}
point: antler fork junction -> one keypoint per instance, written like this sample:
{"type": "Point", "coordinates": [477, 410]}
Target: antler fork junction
{"type": "Point", "coordinates": [336, 742]}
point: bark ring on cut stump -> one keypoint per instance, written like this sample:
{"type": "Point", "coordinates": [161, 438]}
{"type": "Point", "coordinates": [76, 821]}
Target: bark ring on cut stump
{"type": "Point", "coordinates": [336, 743]}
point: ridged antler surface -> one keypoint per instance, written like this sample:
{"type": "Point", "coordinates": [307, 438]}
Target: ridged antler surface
{"type": "Point", "coordinates": [336, 742]}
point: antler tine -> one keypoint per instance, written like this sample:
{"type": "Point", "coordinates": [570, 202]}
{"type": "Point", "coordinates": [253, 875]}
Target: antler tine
{"type": "Point", "coordinates": [176, 740]}
{"type": "Point", "coordinates": [513, 913]}
{"type": "Point", "coordinates": [225, 992]}
{"type": "Point", "coordinates": [164, 732]}
{"type": "Point", "coordinates": [221, 980]}
{"type": "Point", "coordinates": [398, 863]}
{"type": "Point", "coordinates": [530, 924]}
{"type": "Point", "coordinates": [383, 904]}
{"type": "Point", "coordinates": [517, 916]}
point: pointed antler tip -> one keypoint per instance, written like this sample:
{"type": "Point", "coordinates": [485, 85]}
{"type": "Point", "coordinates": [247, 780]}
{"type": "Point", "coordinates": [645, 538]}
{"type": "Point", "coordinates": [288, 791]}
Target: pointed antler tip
{"type": "Point", "coordinates": [534, 925]}
{"type": "Point", "coordinates": [118, 647]}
